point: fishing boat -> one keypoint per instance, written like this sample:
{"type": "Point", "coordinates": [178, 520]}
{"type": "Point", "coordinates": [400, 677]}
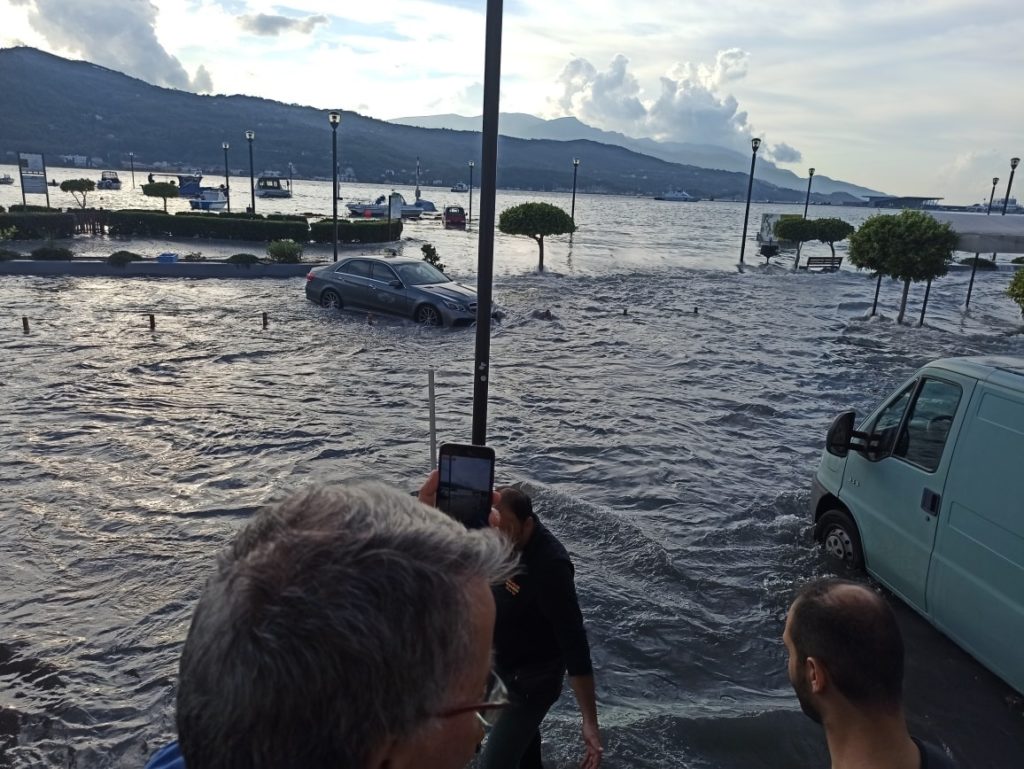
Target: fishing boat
{"type": "Point", "coordinates": [108, 181]}
{"type": "Point", "coordinates": [189, 185]}
{"type": "Point", "coordinates": [6, 179]}
{"type": "Point", "coordinates": [378, 209]}
{"type": "Point", "coordinates": [269, 185]}
{"type": "Point", "coordinates": [676, 196]}
{"type": "Point", "coordinates": [460, 187]}
{"type": "Point", "coordinates": [210, 199]}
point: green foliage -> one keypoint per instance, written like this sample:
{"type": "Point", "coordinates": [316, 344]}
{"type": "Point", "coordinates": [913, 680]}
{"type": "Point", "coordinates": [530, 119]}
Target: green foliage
{"type": "Point", "coordinates": [8, 233]}
{"type": "Point", "coordinates": [795, 230]}
{"type": "Point", "coordinates": [193, 256]}
{"type": "Point", "coordinates": [39, 226]}
{"type": "Point", "coordinates": [6, 254]}
{"type": "Point", "coordinates": [1016, 289]}
{"type": "Point", "coordinates": [536, 220]}
{"type": "Point", "coordinates": [243, 259]}
{"type": "Point", "coordinates": [285, 252]}
{"type": "Point", "coordinates": [430, 256]}
{"type": "Point", "coordinates": [830, 231]}
{"type": "Point", "coordinates": [1017, 260]}
{"type": "Point", "coordinates": [78, 187]}
{"type": "Point", "coordinates": [161, 190]}
{"type": "Point", "coordinates": [983, 263]}
{"type": "Point", "coordinates": [22, 208]}
{"type": "Point", "coordinates": [121, 258]}
{"type": "Point", "coordinates": [52, 253]}
{"type": "Point", "coordinates": [156, 224]}
{"type": "Point", "coordinates": [356, 231]}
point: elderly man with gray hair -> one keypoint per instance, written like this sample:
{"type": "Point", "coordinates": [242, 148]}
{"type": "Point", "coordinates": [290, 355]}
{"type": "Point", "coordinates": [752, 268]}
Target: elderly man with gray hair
{"type": "Point", "coordinates": [345, 628]}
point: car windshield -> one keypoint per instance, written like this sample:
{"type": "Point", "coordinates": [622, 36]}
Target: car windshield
{"type": "Point", "coordinates": [420, 274]}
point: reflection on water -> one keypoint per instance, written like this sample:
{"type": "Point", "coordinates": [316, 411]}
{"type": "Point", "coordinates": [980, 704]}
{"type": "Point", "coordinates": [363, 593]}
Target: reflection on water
{"type": "Point", "coordinates": [670, 451]}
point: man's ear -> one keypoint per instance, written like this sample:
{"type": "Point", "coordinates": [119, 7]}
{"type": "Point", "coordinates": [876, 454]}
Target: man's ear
{"type": "Point", "coordinates": [528, 526]}
{"type": "Point", "coordinates": [816, 675]}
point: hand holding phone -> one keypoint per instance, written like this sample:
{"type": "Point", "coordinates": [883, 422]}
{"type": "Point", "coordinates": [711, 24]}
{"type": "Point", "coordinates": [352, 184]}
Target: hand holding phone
{"type": "Point", "coordinates": [466, 483]}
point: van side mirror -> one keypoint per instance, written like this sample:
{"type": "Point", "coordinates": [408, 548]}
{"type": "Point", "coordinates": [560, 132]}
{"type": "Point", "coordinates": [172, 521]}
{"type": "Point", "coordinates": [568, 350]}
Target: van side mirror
{"type": "Point", "coordinates": [837, 442]}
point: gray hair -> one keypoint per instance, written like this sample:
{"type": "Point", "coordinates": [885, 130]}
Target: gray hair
{"type": "Point", "coordinates": [336, 621]}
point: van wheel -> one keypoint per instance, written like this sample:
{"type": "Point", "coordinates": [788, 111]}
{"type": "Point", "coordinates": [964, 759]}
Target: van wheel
{"type": "Point", "coordinates": [840, 539]}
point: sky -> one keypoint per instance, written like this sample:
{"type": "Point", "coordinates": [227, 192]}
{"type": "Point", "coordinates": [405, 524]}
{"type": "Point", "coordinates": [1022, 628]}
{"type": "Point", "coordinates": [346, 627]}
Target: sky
{"type": "Point", "coordinates": [914, 98]}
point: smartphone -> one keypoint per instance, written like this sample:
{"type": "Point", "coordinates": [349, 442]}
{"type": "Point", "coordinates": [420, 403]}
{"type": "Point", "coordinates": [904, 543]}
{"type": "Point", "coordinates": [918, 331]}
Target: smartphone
{"type": "Point", "coordinates": [465, 483]}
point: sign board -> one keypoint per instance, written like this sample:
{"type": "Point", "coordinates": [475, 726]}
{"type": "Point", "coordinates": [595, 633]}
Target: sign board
{"type": "Point", "coordinates": [767, 232]}
{"type": "Point", "coordinates": [32, 168]}
{"type": "Point", "coordinates": [395, 205]}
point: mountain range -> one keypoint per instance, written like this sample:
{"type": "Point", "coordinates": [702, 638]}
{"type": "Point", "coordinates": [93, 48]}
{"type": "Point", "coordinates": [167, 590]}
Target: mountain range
{"type": "Point", "coordinates": [62, 107]}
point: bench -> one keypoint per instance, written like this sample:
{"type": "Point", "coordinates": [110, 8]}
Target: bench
{"type": "Point", "coordinates": [823, 263]}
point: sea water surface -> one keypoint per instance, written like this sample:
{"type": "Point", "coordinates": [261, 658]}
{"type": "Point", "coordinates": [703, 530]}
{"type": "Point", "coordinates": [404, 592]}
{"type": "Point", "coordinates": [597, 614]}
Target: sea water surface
{"type": "Point", "coordinates": [668, 420]}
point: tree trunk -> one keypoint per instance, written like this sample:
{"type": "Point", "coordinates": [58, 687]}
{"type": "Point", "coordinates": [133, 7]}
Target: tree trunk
{"type": "Point", "coordinates": [796, 262]}
{"type": "Point", "coordinates": [165, 205]}
{"type": "Point", "coordinates": [903, 302]}
{"type": "Point", "coordinates": [540, 242]}
{"type": "Point", "coordinates": [878, 287]}
{"type": "Point", "coordinates": [833, 247]}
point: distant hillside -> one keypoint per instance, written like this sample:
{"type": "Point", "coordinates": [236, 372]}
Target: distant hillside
{"type": "Point", "coordinates": [61, 107]}
{"type": "Point", "coordinates": [522, 126]}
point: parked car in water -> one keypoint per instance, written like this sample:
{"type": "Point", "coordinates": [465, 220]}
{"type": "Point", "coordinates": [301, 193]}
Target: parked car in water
{"type": "Point", "coordinates": [396, 285]}
{"type": "Point", "coordinates": [926, 495]}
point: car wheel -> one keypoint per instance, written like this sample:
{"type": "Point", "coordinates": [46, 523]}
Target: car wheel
{"type": "Point", "coordinates": [330, 299]}
{"type": "Point", "coordinates": [840, 539]}
{"type": "Point", "coordinates": [427, 315]}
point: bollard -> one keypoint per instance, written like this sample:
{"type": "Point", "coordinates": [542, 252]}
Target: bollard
{"type": "Point", "coordinates": [24, 323]}
{"type": "Point", "coordinates": [433, 417]}
{"type": "Point", "coordinates": [694, 310]}
{"type": "Point", "coordinates": [152, 322]}
{"type": "Point", "coordinates": [625, 311]}
{"type": "Point", "coordinates": [264, 320]}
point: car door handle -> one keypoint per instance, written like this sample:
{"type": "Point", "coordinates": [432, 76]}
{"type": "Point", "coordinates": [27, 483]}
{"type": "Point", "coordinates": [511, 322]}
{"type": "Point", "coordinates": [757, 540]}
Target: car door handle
{"type": "Point", "coordinates": [930, 502]}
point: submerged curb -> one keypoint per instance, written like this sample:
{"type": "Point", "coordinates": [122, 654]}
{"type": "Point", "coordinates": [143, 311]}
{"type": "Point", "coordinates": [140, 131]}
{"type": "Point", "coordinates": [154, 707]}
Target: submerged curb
{"type": "Point", "coordinates": [150, 269]}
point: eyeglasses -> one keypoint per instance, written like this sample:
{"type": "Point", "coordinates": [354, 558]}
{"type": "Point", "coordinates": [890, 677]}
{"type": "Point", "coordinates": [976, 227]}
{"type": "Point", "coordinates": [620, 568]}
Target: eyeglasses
{"type": "Point", "coordinates": [488, 711]}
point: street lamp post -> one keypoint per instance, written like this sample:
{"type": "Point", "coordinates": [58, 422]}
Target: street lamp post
{"type": "Point", "coordinates": [249, 136]}
{"type": "Point", "coordinates": [974, 265]}
{"type": "Point", "coordinates": [131, 159]}
{"type": "Point", "coordinates": [754, 144]}
{"type": "Point", "coordinates": [469, 221]}
{"type": "Point", "coordinates": [575, 168]}
{"type": "Point", "coordinates": [227, 179]}
{"type": "Point", "coordinates": [1009, 186]}
{"type": "Point", "coordinates": [334, 117]}
{"type": "Point", "coordinates": [807, 199]}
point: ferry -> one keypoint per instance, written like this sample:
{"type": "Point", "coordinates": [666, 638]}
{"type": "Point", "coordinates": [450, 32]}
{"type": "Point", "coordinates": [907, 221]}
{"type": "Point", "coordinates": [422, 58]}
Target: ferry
{"type": "Point", "coordinates": [677, 196]}
{"type": "Point", "coordinates": [460, 187]}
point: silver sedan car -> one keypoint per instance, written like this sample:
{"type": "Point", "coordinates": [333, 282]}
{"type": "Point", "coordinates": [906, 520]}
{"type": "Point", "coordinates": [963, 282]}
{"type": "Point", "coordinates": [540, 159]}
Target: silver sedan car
{"type": "Point", "coordinates": [395, 285]}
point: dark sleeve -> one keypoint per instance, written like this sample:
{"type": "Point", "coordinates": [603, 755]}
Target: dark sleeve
{"type": "Point", "coordinates": [561, 608]}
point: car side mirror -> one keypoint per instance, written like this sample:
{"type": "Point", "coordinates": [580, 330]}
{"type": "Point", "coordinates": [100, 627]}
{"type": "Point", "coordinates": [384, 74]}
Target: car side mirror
{"type": "Point", "coordinates": [396, 284]}
{"type": "Point", "coordinates": [837, 442]}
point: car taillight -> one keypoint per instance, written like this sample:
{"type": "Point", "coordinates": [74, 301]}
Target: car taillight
{"type": "Point", "coordinates": [309, 276]}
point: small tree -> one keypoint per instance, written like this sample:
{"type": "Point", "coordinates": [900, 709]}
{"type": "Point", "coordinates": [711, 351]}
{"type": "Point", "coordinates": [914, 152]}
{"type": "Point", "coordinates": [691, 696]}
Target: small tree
{"type": "Point", "coordinates": [1016, 290]}
{"type": "Point", "coordinates": [831, 231]}
{"type": "Point", "coordinates": [430, 256]}
{"type": "Point", "coordinates": [867, 249]}
{"type": "Point", "coordinates": [78, 187]}
{"type": "Point", "coordinates": [536, 220]}
{"type": "Point", "coordinates": [796, 230]}
{"type": "Point", "coordinates": [161, 190]}
{"type": "Point", "coordinates": [285, 252]}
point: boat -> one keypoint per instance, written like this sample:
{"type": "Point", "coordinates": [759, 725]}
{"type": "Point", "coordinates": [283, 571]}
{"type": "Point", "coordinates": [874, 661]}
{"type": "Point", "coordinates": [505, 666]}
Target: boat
{"type": "Point", "coordinates": [108, 181]}
{"type": "Point", "coordinates": [189, 185]}
{"type": "Point", "coordinates": [420, 203]}
{"type": "Point", "coordinates": [677, 196]}
{"type": "Point", "coordinates": [454, 218]}
{"type": "Point", "coordinates": [378, 209]}
{"type": "Point", "coordinates": [268, 185]}
{"type": "Point", "coordinates": [210, 199]}
{"type": "Point", "coordinates": [6, 179]}
{"type": "Point", "coordinates": [460, 187]}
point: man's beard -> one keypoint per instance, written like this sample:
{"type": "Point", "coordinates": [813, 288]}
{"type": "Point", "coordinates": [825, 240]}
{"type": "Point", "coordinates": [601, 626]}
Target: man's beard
{"type": "Point", "coordinates": [803, 693]}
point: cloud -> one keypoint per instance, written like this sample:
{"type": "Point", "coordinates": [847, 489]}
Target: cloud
{"type": "Point", "coordinates": [271, 26]}
{"type": "Point", "coordinates": [968, 176]}
{"type": "Point", "coordinates": [113, 34]}
{"type": "Point", "coordinates": [690, 105]}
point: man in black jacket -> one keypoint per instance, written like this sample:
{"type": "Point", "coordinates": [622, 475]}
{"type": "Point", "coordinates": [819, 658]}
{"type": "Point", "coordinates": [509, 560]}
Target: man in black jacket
{"type": "Point", "coordinates": [538, 636]}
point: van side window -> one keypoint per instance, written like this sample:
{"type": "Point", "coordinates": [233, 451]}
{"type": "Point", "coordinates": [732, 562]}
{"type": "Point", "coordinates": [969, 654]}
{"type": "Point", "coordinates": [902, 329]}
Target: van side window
{"type": "Point", "coordinates": [887, 424]}
{"type": "Point", "coordinates": [923, 437]}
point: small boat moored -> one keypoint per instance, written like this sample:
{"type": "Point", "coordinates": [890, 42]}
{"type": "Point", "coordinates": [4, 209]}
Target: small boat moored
{"type": "Point", "coordinates": [378, 209]}
{"type": "Point", "coordinates": [460, 187]}
{"type": "Point", "coordinates": [210, 199]}
{"type": "Point", "coordinates": [108, 181]}
{"type": "Point", "coordinates": [6, 179]}
{"type": "Point", "coordinates": [269, 185]}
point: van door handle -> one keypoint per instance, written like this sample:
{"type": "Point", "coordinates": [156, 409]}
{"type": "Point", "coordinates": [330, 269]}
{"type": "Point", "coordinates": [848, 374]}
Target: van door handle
{"type": "Point", "coordinates": [930, 502]}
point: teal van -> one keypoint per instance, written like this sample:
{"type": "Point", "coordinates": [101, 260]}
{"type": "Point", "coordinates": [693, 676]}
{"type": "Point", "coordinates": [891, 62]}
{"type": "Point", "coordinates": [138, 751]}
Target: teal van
{"type": "Point", "coordinates": [927, 495]}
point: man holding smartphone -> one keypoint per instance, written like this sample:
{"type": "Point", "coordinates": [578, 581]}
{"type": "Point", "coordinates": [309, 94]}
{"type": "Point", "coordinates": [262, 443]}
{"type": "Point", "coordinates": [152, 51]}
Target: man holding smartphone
{"type": "Point", "coordinates": [538, 636]}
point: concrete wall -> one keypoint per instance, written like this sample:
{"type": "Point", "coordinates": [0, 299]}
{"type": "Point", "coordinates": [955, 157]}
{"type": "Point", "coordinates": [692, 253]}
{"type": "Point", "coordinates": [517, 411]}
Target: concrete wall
{"type": "Point", "coordinates": [150, 269]}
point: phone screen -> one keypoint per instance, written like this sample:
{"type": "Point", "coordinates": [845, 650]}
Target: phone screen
{"type": "Point", "coordinates": [464, 490]}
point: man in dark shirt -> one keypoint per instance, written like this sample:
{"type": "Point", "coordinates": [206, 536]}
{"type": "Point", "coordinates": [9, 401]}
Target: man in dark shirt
{"type": "Point", "coordinates": [538, 636]}
{"type": "Point", "coordinates": [846, 666]}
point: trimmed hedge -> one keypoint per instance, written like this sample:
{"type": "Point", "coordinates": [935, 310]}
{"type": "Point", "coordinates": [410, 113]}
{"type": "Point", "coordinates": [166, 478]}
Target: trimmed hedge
{"type": "Point", "coordinates": [983, 263]}
{"type": "Point", "coordinates": [53, 254]}
{"type": "Point", "coordinates": [1017, 260]}
{"type": "Point", "coordinates": [156, 224]}
{"type": "Point", "coordinates": [359, 231]}
{"type": "Point", "coordinates": [121, 258]}
{"type": "Point", "coordinates": [39, 226]}
{"type": "Point", "coordinates": [243, 215]}
{"type": "Point", "coordinates": [244, 259]}
{"type": "Point", "coordinates": [6, 254]}
{"type": "Point", "coordinates": [22, 208]}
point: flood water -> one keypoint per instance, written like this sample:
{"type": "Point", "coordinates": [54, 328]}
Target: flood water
{"type": "Point", "coordinates": [671, 451]}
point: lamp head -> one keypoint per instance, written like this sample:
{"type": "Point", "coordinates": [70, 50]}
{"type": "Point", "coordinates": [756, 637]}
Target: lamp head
{"type": "Point", "coordinates": [471, 164]}
{"type": "Point", "coordinates": [995, 180]}
{"type": "Point", "coordinates": [250, 135]}
{"type": "Point", "coordinates": [755, 143]}
{"type": "Point", "coordinates": [575, 161]}
{"type": "Point", "coordinates": [334, 117]}
{"type": "Point", "coordinates": [225, 146]}
{"type": "Point", "coordinates": [1014, 162]}
{"type": "Point", "coordinates": [810, 172]}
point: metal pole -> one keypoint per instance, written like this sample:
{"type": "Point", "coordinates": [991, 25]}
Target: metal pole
{"type": "Point", "coordinates": [1009, 185]}
{"type": "Point", "coordinates": [334, 187]}
{"type": "Point", "coordinates": [249, 136]}
{"type": "Point", "coordinates": [755, 143]}
{"type": "Point", "coordinates": [433, 417]}
{"type": "Point", "coordinates": [575, 168]}
{"type": "Point", "coordinates": [469, 221]}
{"type": "Point", "coordinates": [131, 159]}
{"type": "Point", "coordinates": [807, 201]}
{"type": "Point", "coordinates": [488, 189]}
{"type": "Point", "coordinates": [227, 180]}
{"type": "Point", "coordinates": [974, 265]}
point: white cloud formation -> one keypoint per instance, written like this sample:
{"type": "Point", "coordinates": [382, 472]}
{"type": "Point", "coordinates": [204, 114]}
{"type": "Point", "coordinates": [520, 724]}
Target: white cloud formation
{"type": "Point", "coordinates": [113, 34]}
{"type": "Point", "coordinates": [270, 25]}
{"type": "Point", "coordinates": [783, 153]}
